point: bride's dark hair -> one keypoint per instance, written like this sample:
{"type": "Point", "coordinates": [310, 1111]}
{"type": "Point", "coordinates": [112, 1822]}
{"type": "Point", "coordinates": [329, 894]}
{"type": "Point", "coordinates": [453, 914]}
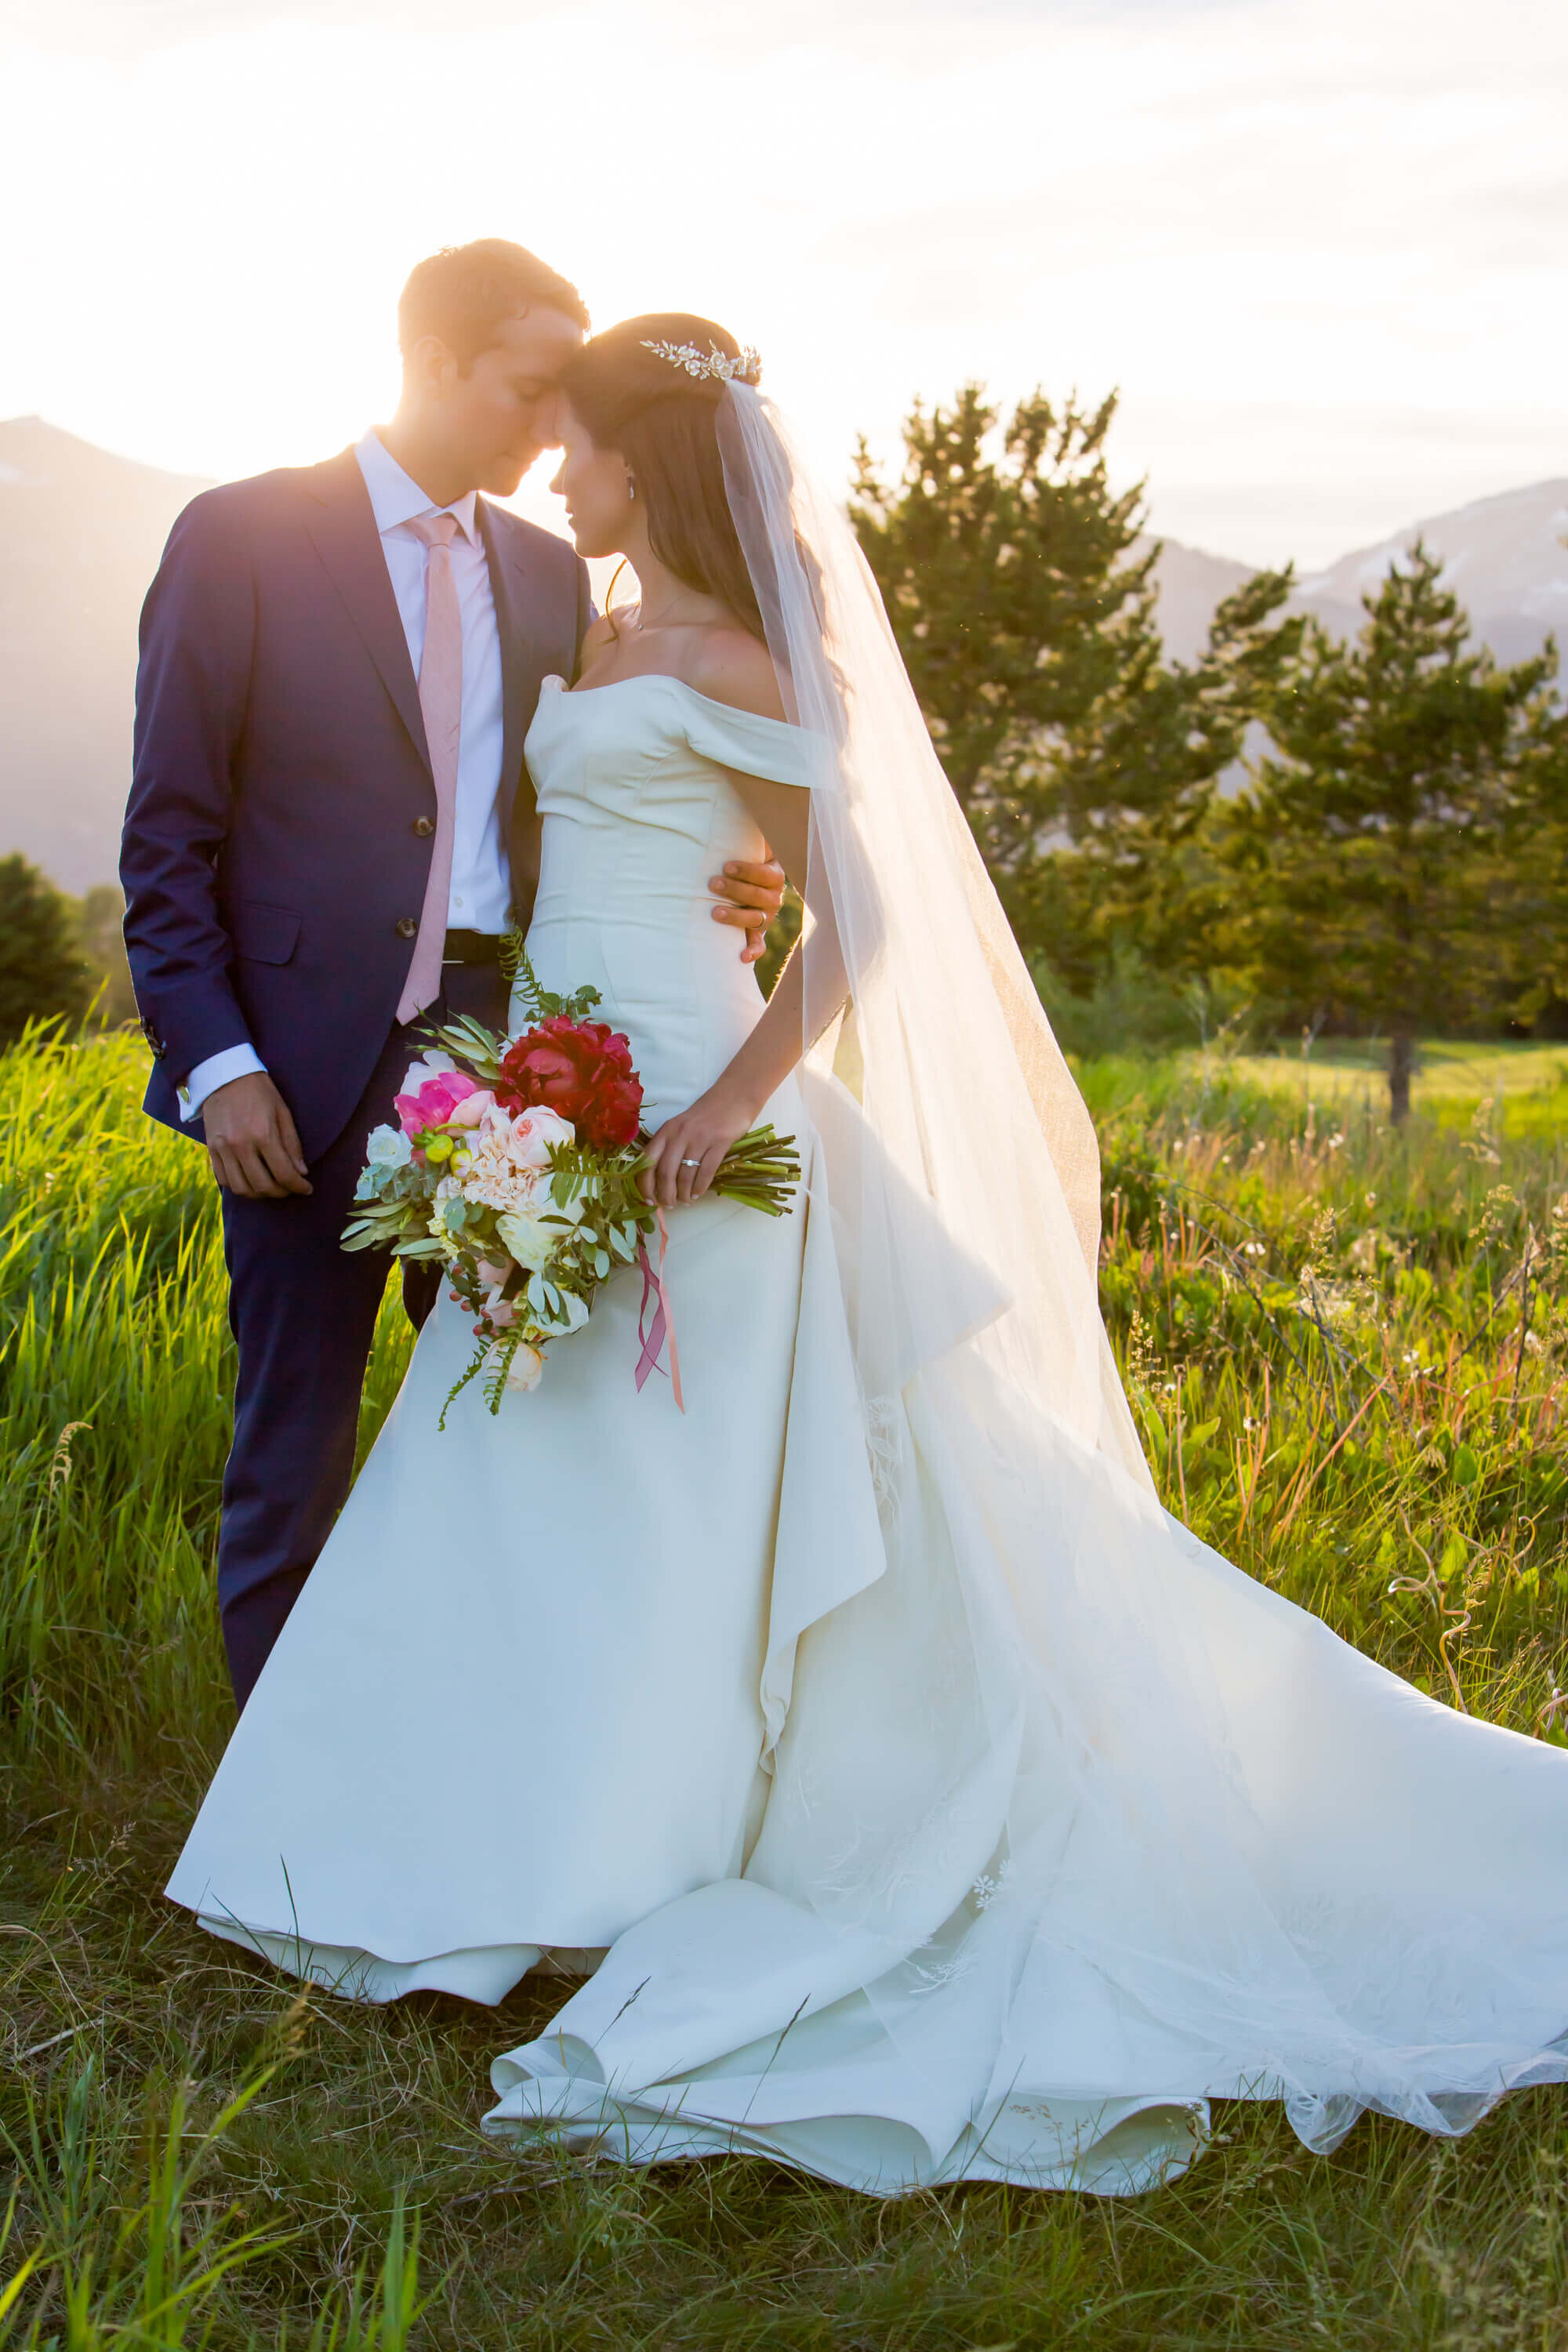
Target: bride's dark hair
{"type": "Point", "coordinates": [665, 423]}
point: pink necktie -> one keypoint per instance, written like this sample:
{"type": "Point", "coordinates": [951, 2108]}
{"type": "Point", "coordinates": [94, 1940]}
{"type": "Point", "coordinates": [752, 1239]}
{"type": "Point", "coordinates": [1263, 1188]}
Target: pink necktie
{"type": "Point", "coordinates": [441, 701]}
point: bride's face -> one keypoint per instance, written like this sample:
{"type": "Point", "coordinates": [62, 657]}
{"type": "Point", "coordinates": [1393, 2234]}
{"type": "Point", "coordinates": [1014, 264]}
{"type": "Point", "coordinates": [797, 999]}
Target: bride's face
{"type": "Point", "coordinates": [596, 486]}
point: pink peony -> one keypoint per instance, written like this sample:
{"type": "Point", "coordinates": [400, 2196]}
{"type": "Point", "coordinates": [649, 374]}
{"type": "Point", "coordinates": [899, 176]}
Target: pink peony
{"type": "Point", "coordinates": [435, 1102]}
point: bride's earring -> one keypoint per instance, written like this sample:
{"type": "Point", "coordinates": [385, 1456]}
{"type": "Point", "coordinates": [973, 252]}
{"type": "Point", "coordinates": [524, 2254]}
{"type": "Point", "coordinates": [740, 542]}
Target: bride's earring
{"type": "Point", "coordinates": [631, 488]}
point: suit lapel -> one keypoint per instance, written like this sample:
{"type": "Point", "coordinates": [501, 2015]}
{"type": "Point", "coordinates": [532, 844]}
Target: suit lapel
{"type": "Point", "coordinates": [342, 523]}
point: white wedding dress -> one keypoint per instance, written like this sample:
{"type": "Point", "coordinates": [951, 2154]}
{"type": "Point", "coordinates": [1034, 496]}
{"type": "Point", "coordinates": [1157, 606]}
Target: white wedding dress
{"type": "Point", "coordinates": [926, 1803]}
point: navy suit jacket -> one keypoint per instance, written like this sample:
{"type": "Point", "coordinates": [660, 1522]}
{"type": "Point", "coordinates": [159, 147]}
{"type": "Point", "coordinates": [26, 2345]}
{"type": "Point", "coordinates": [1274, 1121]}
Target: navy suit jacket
{"type": "Point", "coordinates": [280, 830]}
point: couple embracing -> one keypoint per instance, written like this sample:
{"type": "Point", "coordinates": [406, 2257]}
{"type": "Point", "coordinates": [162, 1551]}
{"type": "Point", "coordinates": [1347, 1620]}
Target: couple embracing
{"type": "Point", "coordinates": [912, 1797]}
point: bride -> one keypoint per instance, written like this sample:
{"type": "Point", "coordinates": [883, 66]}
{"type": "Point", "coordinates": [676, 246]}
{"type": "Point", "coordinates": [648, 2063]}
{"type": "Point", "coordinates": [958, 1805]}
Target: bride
{"type": "Point", "coordinates": [918, 1799]}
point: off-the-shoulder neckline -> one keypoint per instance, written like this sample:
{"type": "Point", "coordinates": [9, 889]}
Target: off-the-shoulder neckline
{"type": "Point", "coordinates": [664, 677]}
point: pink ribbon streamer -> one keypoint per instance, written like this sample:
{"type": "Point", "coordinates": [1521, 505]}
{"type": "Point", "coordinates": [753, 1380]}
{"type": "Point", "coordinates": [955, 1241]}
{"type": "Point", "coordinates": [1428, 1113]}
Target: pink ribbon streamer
{"type": "Point", "coordinates": [663, 1325]}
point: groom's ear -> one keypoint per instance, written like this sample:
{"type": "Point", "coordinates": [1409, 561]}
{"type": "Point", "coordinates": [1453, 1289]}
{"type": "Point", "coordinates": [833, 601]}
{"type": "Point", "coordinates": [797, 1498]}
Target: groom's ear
{"type": "Point", "coordinates": [430, 367]}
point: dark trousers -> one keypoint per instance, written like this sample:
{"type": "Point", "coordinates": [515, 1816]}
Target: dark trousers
{"type": "Point", "coordinates": [302, 1310]}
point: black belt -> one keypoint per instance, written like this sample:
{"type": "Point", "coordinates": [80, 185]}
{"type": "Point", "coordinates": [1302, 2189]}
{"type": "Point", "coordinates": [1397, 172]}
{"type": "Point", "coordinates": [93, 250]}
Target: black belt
{"type": "Point", "coordinates": [472, 947]}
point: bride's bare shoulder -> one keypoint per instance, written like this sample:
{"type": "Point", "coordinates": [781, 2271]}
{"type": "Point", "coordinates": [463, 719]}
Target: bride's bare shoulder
{"type": "Point", "coordinates": [603, 632]}
{"type": "Point", "coordinates": [731, 665]}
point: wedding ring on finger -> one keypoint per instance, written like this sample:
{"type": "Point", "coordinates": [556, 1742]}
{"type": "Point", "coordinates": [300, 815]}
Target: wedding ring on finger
{"type": "Point", "coordinates": [692, 1163]}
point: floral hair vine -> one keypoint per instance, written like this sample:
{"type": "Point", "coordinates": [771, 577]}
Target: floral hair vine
{"type": "Point", "coordinates": [712, 362]}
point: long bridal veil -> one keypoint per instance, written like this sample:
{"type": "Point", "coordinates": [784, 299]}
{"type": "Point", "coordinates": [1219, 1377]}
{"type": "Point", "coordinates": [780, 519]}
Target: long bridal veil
{"type": "Point", "coordinates": [963, 1087]}
{"type": "Point", "coordinates": [1070, 1825]}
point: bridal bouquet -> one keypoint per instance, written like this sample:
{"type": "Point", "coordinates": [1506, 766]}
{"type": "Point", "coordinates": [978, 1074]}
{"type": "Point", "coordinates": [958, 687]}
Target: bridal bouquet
{"type": "Point", "coordinates": [516, 1163]}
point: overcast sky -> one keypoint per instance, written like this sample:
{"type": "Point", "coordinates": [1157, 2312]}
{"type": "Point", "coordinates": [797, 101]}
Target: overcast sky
{"type": "Point", "coordinates": [1320, 245]}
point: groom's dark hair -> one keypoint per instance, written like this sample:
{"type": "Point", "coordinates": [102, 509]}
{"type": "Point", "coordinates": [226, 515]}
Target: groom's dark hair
{"type": "Point", "coordinates": [464, 292]}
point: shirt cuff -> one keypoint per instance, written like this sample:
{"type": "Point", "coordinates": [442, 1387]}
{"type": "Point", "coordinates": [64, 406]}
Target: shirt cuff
{"type": "Point", "coordinates": [234, 1061]}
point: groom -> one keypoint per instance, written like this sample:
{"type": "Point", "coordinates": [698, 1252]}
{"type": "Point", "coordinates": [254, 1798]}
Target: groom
{"type": "Point", "coordinates": [330, 825]}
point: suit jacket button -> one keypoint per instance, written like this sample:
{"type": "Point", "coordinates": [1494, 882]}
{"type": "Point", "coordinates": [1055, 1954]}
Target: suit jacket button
{"type": "Point", "coordinates": [407, 927]}
{"type": "Point", "coordinates": [424, 826]}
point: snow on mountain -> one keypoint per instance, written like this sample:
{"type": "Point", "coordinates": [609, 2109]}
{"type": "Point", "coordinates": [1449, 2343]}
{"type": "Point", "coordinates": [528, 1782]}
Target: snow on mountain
{"type": "Point", "coordinates": [1506, 559]}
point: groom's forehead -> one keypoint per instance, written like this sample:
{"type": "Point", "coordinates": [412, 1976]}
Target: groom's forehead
{"type": "Point", "coordinates": [535, 342]}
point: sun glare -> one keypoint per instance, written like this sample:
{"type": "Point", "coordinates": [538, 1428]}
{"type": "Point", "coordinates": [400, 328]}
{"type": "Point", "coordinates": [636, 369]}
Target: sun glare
{"type": "Point", "coordinates": [1290, 248]}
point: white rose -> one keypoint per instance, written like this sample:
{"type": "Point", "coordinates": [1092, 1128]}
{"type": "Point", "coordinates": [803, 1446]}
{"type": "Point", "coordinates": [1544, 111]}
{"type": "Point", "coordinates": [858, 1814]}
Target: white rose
{"type": "Point", "coordinates": [388, 1147]}
{"type": "Point", "coordinates": [531, 1243]}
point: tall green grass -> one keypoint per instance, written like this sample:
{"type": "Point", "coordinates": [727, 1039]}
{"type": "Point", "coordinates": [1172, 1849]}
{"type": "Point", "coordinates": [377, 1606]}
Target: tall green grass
{"type": "Point", "coordinates": [1347, 1350]}
{"type": "Point", "coordinates": [153, 2270]}
{"type": "Point", "coordinates": [116, 1369]}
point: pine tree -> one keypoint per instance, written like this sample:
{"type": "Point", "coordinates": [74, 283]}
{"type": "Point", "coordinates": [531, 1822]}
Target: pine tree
{"type": "Point", "coordinates": [1025, 613]}
{"type": "Point", "coordinates": [1374, 860]}
{"type": "Point", "coordinates": [1534, 904]}
{"type": "Point", "coordinates": [1134, 786]}
{"type": "Point", "coordinates": [1008, 581]}
{"type": "Point", "coordinates": [41, 969]}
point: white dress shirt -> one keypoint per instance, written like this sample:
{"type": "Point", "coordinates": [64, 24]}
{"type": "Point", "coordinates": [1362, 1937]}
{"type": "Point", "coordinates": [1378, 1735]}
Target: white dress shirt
{"type": "Point", "coordinates": [480, 897]}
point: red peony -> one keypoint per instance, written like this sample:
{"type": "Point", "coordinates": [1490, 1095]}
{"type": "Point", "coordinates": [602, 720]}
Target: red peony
{"type": "Point", "coordinates": [582, 1071]}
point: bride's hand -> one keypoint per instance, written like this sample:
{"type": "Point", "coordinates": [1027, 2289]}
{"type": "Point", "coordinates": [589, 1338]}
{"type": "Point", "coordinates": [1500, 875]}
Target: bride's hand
{"type": "Point", "coordinates": [684, 1157]}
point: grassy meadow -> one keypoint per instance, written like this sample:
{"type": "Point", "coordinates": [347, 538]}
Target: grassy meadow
{"type": "Point", "coordinates": [1349, 1351]}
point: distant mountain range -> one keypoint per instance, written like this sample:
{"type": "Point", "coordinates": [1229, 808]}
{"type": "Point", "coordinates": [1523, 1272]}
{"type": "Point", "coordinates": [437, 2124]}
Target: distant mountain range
{"type": "Point", "coordinates": [1505, 559]}
{"type": "Point", "coordinates": [81, 532]}
{"type": "Point", "coordinates": [81, 535]}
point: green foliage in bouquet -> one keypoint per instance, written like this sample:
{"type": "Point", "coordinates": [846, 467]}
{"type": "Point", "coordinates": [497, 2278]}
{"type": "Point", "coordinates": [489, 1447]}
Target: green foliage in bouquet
{"type": "Point", "coordinates": [527, 1272]}
{"type": "Point", "coordinates": [540, 1004]}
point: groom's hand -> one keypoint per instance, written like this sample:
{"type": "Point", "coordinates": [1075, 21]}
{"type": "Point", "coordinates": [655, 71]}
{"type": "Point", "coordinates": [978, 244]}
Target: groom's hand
{"type": "Point", "coordinates": [749, 896]}
{"type": "Point", "coordinates": [251, 1141]}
